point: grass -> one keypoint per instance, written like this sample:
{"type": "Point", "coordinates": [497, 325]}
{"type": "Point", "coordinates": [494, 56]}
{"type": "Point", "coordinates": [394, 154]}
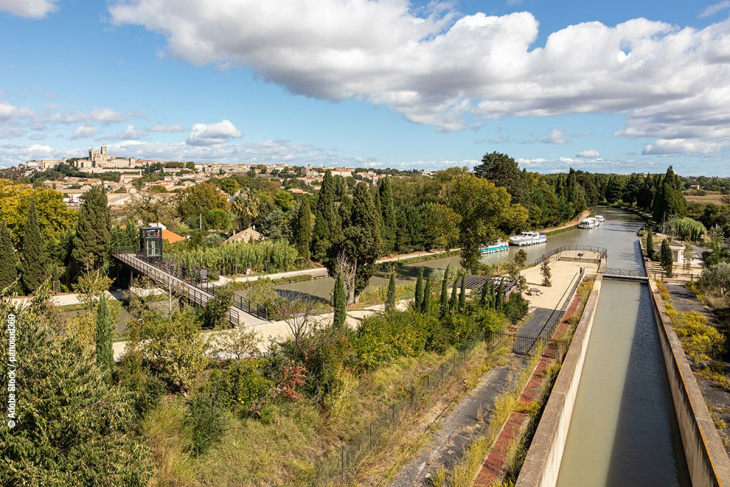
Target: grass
{"type": "Point", "coordinates": [424, 258]}
{"type": "Point", "coordinates": [464, 472]}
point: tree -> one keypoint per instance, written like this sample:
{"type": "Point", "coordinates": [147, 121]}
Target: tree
{"type": "Point", "coordinates": [215, 314]}
{"type": "Point", "coordinates": [199, 199]}
{"type": "Point", "coordinates": [418, 301]}
{"type": "Point", "coordinates": [390, 297]}
{"type": "Point", "coordinates": [237, 343]}
{"type": "Point", "coordinates": [8, 269]}
{"type": "Point", "coordinates": [499, 298]}
{"type": "Point", "coordinates": [387, 209]}
{"type": "Point", "coordinates": [103, 337]}
{"type": "Point", "coordinates": [34, 261]}
{"type": "Point", "coordinates": [93, 232]}
{"type": "Point", "coordinates": [520, 258]}
{"type": "Point", "coordinates": [546, 273]}
{"type": "Point", "coordinates": [454, 295]}
{"type": "Point", "coordinates": [486, 295]}
{"type": "Point", "coordinates": [444, 306]}
{"type": "Point", "coordinates": [669, 200]}
{"type": "Point", "coordinates": [504, 172]}
{"type": "Point", "coordinates": [339, 302]}
{"type": "Point", "coordinates": [427, 294]}
{"type": "Point", "coordinates": [716, 279]}
{"type": "Point", "coordinates": [361, 242]}
{"type": "Point", "coordinates": [649, 243]}
{"type": "Point", "coordinates": [666, 257]}
{"type": "Point", "coordinates": [245, 206]}
{"type": "Point", "coordinates": [486, 214]}
{"type": "Point", "coordinates": [327, 222]}
{"type": "Point", "coordinates": [302, 230]}
{"type": "Point", "coordinates": [462, 295]}
{"type": "Point", "coordinates": [72, 427]}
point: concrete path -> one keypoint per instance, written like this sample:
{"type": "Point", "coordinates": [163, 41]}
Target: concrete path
{"type": "Point", "coordinates": [61, 300]}
{"type": "Point", "coordinates": [465, 421]}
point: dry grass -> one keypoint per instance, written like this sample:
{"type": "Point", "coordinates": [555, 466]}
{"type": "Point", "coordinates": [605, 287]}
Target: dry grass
{"type": "Point", "coordinates": [714, 198]}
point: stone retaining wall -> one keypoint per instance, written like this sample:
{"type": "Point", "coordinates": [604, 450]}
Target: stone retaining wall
{"type": "Point", "coordinates": [707, 459]}
{"type": "Point", "coordinates": [542, 464]}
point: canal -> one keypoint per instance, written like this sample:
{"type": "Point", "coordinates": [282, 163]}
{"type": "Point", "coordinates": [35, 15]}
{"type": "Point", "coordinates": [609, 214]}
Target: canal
{"type": "Point", "coordinates": [617, 233]}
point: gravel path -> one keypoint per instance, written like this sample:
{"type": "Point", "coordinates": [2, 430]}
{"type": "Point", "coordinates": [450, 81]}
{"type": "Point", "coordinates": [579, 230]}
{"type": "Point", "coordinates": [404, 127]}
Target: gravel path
{"type": "Point", "coordinates": [457, 427]}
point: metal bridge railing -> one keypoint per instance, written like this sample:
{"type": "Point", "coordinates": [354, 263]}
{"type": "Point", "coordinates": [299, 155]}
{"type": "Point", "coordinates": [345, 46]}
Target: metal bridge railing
{"type": "Point", "coordinates": [601, 251]}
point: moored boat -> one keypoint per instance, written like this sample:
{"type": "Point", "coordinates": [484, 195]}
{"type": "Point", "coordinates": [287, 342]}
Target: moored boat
{"type": "Point", "coordinates": [600, 219]}
{"type": "Point", "coordinates": [588, 223]}
{"type": "Point", "coordinates": [498, 246]}
{"type": "Point", "coordinates": [528, 238]}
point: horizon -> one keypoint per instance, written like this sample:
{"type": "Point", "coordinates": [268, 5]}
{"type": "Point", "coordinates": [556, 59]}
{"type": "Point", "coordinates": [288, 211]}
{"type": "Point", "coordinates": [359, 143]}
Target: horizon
{"type": "Point", "coordinates": [616, 89]}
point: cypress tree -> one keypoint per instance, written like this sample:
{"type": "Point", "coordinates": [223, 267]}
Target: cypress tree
{"type": "Point", "coordinates": [483, 299]}
{"type": "Point", "coordinates": [34, 262]}
{"type": "Point", "coordinates": [418, 302]}
{"type": "Point", "coordinates": [390, 298]}
{"type": "Point", "coordinates": [426, 306]}
{"type": "Point", "coordinates": [454, 295]}
{"type": "Point", "coordinates": [327, 225]}
{"type": "Point", "coordinates": [462, 295]}
{"type": "Point", "coordinates": [104, 349]}
{"type": "Point", "coordinates": [500, 295]}
{"type": "Point", "coordinates": [666, 256]}
{"type": "Point", "coordinates": [8, 269]}
{"type": "Point", "coordinates": [303, 229]}
{"type": "Point", "coordinates": [649, 244]}
{"type": "Point", "coordinates": [339, 302]}
{"type": "Point", "coordinates": [93, 232]}
{"type": "Point", "coordinates": [444, 308]}
{"type": "Point", "coordinates": [362, 241]}
{"type": "Point", "coordinates": [387, 210]}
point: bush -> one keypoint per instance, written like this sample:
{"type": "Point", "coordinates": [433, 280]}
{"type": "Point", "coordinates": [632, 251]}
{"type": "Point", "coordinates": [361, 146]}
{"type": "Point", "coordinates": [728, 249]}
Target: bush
{"type": "Point", "coordinates": [381, 338]}
{"type": "Point", "coordinates": [516, 307]}
{"type": "Point", "coordinates": [206, 422]}
{"type": "Point", "coordinates": [241, 386]}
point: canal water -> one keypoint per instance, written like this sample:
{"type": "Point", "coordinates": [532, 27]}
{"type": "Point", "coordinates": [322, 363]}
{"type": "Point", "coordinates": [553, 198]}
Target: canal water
{"type": "Point", "coordinates": [617, 233]}
{"type": "Point", "coordinates": [623, 431]}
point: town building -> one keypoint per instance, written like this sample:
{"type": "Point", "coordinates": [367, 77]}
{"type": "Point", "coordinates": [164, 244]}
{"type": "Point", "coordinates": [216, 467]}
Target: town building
{"type": "Point", "coordinates": [102, 161]}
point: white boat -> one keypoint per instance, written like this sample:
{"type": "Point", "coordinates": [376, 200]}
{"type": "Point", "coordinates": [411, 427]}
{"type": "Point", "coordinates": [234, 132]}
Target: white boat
{"type": "Point", "coordinates": [528, 238]}
{"type": "Point", "coordinates": [588, 223]}
{"type": "Point", "coordinates": [600, 219]}
{"type": "Point", "coordinates": [498, 246]}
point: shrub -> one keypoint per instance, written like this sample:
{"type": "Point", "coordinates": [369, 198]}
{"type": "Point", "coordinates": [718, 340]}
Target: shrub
{"type": "Point", "coordinates": [240, 385]}
{"type": "Point", "coordinates": [382, 338]}
{"type": "Point", "coordinates": [206, 422]}
{"type": "Point", "coordinates": [516, 307]}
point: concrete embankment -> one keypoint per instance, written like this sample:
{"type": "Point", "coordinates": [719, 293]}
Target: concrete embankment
{"type": "Point", "coordinates": [542, 465]}
{"type": "Point", "coordinates": [707, 459]}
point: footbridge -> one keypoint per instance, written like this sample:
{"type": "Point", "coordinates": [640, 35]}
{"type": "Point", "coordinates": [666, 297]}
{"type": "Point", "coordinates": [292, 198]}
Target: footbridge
{"type": "Point", "coordinates": [243, 312]}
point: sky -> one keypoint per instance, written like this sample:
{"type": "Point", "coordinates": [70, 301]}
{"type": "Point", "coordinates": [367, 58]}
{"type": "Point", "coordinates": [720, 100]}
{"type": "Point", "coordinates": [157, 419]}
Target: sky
{"type": "Point", "coordinates": [621, 86]}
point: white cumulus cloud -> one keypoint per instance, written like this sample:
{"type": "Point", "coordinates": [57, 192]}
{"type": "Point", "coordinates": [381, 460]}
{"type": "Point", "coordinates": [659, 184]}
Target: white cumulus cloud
{"type": "Point", "coordinates": [556, 137]}
{"type": "Point", "coordinates": [8, 111]}
{"type": "Point", "coordinates": [214, 133]}
{"type": "Point", "coordinates": [129, 133]}
{"type": "Point", "coordinates": [589, 154]}
{"type": "Point", "coordinates": [83, 132]}
{"type": "Point", "coordinates": [713, 9]}
{"type": "Point", "coordinates": [166, 128]}
{"type": "Point", "coordinates": [438, 67]}
{"type": "Point", "coordinates": [684, 147]}
{"type": "Point", "coordinates": [35, 9]}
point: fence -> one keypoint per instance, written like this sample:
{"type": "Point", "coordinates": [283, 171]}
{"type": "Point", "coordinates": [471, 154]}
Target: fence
{"type": "Point", "coordinates": [161, 270]}
{"type": "Point", "coordinates": [601, 251]}
{"type": "Point", "coordinates": [527, 345]}
{"type": "Point", "coordinates": [340, 463]}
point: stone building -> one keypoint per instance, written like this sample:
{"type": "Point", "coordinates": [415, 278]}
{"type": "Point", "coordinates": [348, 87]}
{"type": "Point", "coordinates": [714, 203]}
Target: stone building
{"type": "Point", "coordinates": [102, 161]}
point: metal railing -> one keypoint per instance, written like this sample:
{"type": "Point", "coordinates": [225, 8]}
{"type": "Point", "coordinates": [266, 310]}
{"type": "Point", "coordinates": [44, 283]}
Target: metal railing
{"type": "Point", "coordinates": [601, 251]}
{"type": "Point", "coordinates": [527, 345]}
{"type": "Point", "coordinates": [615, 271]}
{"type": "Point", "coordinates": [180, 287]}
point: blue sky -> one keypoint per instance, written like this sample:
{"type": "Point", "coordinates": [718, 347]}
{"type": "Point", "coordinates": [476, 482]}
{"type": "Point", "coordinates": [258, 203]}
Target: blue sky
{"type": "Point", "coordinates": [603, 86]}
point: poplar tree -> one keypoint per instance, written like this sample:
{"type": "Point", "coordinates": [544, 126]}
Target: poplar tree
{"type": "Point", "coordinates": [303, 230]}
{"type": "Point", "coordinates": [93, 232]}
{"type": "Point", "coordinates": [418, 302]}
{"type": "Point", "coordinates": [485, 296]}
{"type": "Point", "coordinates": [444, 308]}
{"type": "Point", "coordinates": [499, 298]}
{"type": "Point", "coordinates": [103, 336]}
{"type": "Point", "coordinates": [462, 294]}
{"type": "Point", "coordinates": [8, 269]}
{"type": "Point", "coordinates": [34, 261]}
{"type": "Point", "coordinates": [387, 210]}
{"type": "Point", "coordinates": [339, 302]}
{"type": "Point", "coordinates": [426, 305]}
{"type": "Point", "coordinates": [390, 298]}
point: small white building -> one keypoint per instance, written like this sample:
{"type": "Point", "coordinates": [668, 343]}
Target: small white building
{"type": "Point", "coordinates": [677, 252]}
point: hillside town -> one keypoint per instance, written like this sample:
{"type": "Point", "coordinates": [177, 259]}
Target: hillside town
{"type": "Point", "coordinates": [123, 177]}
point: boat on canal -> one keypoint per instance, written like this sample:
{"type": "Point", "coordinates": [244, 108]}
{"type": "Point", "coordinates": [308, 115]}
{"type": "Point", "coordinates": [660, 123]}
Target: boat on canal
{"type": "Point", "coordinates": [528, 238]}
{"type": "Point", "coordinates": [589, 223]}
{"type": "Point", "coordinates": [498, 246]}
